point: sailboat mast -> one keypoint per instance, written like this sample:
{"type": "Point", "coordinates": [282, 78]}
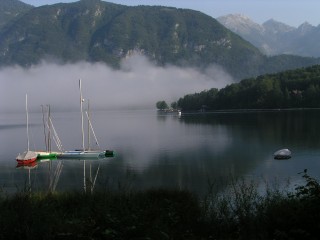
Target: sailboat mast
{"type": "Point", "coordinates": [27, 116]}
{"type": "Point", "coordinates": [44, 128]}
{"type": "Point", "coordinates": [89, 143]}
{"type": "Point", "coordinates": [49, 131]}
{"type": "Point", "coordinates": [81, 103]}
{"type": "Point", "coordinates": [82, 133]}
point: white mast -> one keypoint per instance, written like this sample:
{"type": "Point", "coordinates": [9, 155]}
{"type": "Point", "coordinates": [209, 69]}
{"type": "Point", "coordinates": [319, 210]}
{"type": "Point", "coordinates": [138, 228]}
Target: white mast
{"type": "Point", "coordinates": [82, 127]}
{"type": "Point", "coordinates": [27, 116]}
{"type": "Point", "coordinates": [49, 129]}
{"type": "Point", "coordinates": [82, 132]}
{"type": "Point", "coordinates": [87, 113]}
{"type": "Point", "coordinates": [44, 128]}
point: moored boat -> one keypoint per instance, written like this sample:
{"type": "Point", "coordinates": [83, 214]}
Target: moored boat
{"type": "Point", "coordinates": [46, 155]}
{"type": "Point", "coordinates": [27, 157]}
{"type": "Point", "coordinates": [85, 153]}
{"type": "Point", "coordinates": [80, 154]}
{"type": "Point", "coordinates": [282, 154]}
{"type": "Point", "coordinates": [109, 153]}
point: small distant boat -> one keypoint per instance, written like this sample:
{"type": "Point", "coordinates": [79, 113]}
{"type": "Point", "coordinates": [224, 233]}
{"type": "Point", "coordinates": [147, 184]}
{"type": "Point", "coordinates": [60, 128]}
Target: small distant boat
{"type": "Point", "coordinates": [282, 154]}
{"type": "Point", "coordinates": [28, 156]}
{"type": "Point", "coordinates": [170, 110]}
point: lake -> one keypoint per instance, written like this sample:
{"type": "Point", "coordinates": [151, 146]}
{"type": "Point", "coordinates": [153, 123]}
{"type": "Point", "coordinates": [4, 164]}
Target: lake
{"type": "Point", "coordinates": [155, 150]}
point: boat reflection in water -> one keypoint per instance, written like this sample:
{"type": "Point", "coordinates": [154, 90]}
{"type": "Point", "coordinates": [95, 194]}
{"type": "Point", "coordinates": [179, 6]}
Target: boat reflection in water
{"type": "Point", "coordinates": [28, 166]}
{"type": "Point", "coordinates": [51, 169]}
{"type": "Point", "coordinates": [89, 175]}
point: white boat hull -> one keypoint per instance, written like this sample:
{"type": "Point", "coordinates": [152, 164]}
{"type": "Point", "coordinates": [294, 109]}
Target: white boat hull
{"type": "Point", "coordinates": [282, 154]}
{"type": "Point", "coordinates": [81, 154]}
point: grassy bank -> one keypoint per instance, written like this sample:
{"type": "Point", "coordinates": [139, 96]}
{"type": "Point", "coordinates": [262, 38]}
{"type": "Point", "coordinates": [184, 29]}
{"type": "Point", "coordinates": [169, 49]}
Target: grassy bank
{"type": "Point", "coordinates": [241, 213]}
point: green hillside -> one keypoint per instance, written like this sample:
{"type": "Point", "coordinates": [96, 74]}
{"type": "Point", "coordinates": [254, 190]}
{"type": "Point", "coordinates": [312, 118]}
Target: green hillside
{"type": "Point", "coordinates": [97, 31]}
{"type": "Point", "coordinates": [298, 88]}
{"type": "Point", "coordinates": [11, 9]}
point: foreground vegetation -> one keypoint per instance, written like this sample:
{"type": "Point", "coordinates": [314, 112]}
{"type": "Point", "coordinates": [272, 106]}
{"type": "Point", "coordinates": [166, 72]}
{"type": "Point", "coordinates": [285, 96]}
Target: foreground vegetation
{"type": "Point", "coordinates": [241, 213]}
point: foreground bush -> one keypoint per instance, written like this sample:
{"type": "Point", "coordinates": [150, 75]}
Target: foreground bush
{"type": "Point", "coordinates": [152, 214]}
{"type": "Point", "coordinates": [243, 213]}
{"type": "Point", "coordinates": [240, 213]}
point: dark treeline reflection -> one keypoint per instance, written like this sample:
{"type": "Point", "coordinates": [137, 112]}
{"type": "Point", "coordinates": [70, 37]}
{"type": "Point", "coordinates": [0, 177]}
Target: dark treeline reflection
{"type": "Point", "coordinates": [292, 127]}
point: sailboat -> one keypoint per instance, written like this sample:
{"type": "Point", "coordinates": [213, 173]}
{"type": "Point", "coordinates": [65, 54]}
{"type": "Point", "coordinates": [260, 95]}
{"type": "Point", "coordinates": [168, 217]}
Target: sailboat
{"type": "Point", "coordinates": [84, 153]}
{"type": "Point", "coordinates": [48, 154]}
{"type": "Point", "coordinates": [44, 155]}
{"type": "Point", "coordinates": [28, 156]}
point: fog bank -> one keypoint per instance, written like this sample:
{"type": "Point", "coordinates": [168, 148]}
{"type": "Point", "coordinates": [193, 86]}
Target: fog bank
{"type": "Point", "coordinates": [138, 84]}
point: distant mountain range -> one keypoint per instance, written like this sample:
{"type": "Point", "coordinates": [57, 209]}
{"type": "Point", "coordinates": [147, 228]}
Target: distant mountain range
{"type": "Point", "coordinates": [97, 31]}
{"type": "Point", "coordinates": [274, 38]}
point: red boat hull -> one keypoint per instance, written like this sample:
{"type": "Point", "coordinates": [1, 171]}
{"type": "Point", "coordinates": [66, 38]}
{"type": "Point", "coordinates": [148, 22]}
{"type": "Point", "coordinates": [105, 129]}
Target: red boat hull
{"type": "Point", "coordinates": [27, 161]}
{"type": "Point", "coordinates": [27, 157]}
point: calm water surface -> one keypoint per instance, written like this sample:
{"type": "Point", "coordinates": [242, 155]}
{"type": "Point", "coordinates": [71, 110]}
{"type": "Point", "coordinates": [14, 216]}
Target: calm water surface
{"type": "Point", "coordinates": [154, 150]}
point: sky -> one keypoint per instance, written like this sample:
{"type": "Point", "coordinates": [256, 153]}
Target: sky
{"type": "Point", "coordinates": [291, 12]}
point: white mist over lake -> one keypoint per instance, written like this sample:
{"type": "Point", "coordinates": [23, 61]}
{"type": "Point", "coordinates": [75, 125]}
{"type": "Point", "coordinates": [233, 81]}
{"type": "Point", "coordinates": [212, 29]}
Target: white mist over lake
{"type": "Point", "coordinates": [137, 84]}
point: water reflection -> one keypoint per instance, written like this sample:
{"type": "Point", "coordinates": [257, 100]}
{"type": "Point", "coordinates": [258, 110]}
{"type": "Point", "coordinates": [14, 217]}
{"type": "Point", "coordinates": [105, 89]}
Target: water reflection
{"type": "Point", "coordinates": [286, 127]}
{"type": "Point", "coordinates": [9, 126]}
{"type": "Point", "coordinates": [187, 152]}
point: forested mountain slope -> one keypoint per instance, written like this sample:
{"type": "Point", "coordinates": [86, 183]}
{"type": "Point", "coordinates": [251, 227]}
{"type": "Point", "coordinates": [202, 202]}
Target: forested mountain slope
{"type": "Point", "coordinates": [10, 9]}
{"type": "Point", "coordinates": [97, 31]}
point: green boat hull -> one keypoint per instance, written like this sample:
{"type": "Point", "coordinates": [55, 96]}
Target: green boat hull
{"type": "Point", "coordinates": [47, 155]}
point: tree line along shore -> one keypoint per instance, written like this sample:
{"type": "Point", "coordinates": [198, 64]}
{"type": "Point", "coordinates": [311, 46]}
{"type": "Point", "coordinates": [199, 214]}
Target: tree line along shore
{"type": "Point", "coordinates": [298, 88]}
